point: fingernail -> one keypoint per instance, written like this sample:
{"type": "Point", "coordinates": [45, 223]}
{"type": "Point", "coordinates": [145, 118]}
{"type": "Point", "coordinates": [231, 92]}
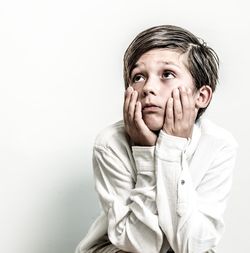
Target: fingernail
{"type": "Point", "coordinates": [130, 88]}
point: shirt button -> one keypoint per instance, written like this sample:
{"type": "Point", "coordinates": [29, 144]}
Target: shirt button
{"type": "Point", "coordinates": [182, 182]}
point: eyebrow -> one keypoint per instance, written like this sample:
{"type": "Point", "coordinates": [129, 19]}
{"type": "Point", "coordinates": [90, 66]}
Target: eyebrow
{"type": "Point", "coordinates": [164, 62]}
{"type": "Point", "coordinates": [170, 63]}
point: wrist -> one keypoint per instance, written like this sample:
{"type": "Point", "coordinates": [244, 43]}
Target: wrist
{"type": "Point", "coordinates": [183, 134]}
{"type": "Point", "coordinates": [144, 143]}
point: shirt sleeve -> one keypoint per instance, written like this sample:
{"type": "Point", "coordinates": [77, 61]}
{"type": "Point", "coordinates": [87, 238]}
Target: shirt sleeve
{"type": "Point", "coordinates": [191, 217]}
{"type": "Point", "coordinates": [129, 204]}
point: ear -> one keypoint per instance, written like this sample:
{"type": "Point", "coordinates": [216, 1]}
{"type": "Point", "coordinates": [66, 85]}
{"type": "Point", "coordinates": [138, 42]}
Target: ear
{"type": "Point", "coordinates": [203, 97]}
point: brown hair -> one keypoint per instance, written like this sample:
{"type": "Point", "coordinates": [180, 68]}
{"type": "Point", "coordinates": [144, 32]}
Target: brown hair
{"type": "Point", "coordinates": [203, 62]}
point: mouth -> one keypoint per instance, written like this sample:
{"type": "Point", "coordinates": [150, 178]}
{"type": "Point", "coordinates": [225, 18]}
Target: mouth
{"type": "Point", "coordinates": [150, 108]}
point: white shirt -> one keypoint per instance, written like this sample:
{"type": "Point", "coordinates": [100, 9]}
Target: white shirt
{"type": "Point", "coordinates": [173, 194]}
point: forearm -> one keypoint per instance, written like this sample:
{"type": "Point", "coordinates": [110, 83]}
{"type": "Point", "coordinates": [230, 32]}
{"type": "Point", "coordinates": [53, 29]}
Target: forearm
{"type": "Point", "coordinates": [131, 209]}
{"type": "Point", "coordinates": [191, 215]}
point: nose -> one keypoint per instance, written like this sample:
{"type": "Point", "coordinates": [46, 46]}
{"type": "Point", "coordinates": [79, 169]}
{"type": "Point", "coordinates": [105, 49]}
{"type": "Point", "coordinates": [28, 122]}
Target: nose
{"type": "Point", "coordinates": [150, 87]}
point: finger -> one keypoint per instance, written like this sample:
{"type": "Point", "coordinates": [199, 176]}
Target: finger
{"type": "Point", "coordinates": [127, 97]}
{"type": "Point", "coordinates": [139, 122]}
{"type": "Point", "coordinates": [131, 106]}
{"type": "Point", "coordinates": [169, 118]}
{"type": "Point", "coordinates": [185, 101]}
{"type": "Point", "coordinates": [177, 105]}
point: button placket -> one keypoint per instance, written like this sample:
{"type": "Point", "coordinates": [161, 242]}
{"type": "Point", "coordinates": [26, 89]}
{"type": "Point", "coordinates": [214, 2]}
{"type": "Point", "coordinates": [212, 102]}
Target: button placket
{"type": "Point", "coordinates": [182, 191]}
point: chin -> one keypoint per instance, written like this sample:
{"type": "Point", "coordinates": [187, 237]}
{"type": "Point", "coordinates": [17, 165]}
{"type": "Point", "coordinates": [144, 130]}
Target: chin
{"type": "Point", "coordinates": [153, 123]}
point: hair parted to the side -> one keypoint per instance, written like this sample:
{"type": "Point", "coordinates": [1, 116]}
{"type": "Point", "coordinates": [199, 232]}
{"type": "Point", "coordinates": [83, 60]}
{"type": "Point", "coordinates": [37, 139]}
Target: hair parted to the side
{"type": "Point", "coordinates": [202, 61]}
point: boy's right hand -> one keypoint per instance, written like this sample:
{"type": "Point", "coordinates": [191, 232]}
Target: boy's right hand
{"type": "Point", "coordinates": [135, 127]}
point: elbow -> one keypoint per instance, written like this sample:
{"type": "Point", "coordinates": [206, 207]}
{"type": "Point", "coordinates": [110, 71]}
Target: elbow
{"type": "Point", "coordinates": [135, 238]}
{"type": "Point", "coordinates": [199, 237]}
{"type": "Point", "coordinates": [196, 245]}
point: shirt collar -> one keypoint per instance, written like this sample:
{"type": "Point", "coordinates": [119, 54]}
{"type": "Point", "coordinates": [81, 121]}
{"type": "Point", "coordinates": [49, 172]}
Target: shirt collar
{"type": "Point", "coordinates": [196, 134]}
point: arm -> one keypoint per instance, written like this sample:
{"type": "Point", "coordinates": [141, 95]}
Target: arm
{"type": "Point", "coordinates": [192, 217]}
{"type": "Point", "coordinates": [129, 206]}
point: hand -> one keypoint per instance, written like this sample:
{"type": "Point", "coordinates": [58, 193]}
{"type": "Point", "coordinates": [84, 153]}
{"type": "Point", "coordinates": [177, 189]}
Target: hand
{"type": "Point", "coordinates": [180, 113]}
{"type": "Point", "coordinates": [135, 127]}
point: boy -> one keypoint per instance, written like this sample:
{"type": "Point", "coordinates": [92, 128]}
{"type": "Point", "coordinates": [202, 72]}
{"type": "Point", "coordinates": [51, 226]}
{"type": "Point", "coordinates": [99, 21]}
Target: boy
{"type": "Point", "coordinates": [163, 174]}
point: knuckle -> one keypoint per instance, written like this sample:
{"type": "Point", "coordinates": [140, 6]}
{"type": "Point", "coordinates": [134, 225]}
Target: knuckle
{"type": "Point", "coordinates": [178, 115]}
{"type": "Point", "coordinates": [183, 93]}
{"type": "Point", "coordinates": [137, 124]}
{"type": "Point", "coordinates": [169, 116]}
{"type": "Point", "coordinates": [178, 111]}
{"type": "Point", "coordinates": [130, 116]}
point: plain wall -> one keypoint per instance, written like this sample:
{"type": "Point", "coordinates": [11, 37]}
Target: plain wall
{"type": "Point", "coordinates": [61, 82]}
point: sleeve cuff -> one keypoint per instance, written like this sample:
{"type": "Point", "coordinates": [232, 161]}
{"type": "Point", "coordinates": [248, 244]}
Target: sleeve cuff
{"type": "Point", "coordinates": [169, 147]}
{"type": "Point", "coordinates": [144, 157]}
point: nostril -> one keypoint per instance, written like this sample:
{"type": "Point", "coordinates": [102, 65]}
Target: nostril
{"type": "Point", "coordinates": [148, 92]}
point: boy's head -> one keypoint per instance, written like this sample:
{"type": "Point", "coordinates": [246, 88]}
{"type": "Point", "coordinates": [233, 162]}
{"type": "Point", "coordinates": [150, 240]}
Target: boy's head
{"type": "Point", "coordinates": [200, 60]}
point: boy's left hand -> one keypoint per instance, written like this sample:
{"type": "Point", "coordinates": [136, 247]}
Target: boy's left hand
{"type": "Point", "coordinates": [180, 113]}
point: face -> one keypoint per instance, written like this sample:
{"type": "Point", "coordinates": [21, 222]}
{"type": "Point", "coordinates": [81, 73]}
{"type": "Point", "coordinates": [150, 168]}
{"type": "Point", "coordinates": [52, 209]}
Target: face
{"type": "Point", "coordinates": [156, 74]}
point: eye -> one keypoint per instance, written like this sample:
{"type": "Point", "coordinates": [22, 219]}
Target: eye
{"type": "Point", "coordinates": [168, 75]}
{"type": "Point", "coordinates": [137, 78]}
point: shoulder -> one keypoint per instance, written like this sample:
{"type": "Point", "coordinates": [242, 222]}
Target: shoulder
{"type": "Point", "coordinates": [217, 133]}
{"type": "Point", "coordinates": [112, 137]}
{"type": "Point", "coordinates": [112, 146]}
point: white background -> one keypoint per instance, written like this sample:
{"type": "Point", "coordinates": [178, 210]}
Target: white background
{"type": "Point", "coordinates": [61, 82]}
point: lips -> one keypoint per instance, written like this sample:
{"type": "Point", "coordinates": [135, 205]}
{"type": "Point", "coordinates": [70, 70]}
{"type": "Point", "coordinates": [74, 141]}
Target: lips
{"type": "Point", "coordinates": [150, 108]}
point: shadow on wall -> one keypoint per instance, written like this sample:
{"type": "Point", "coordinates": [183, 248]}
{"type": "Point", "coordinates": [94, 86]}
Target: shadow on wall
{"type": "Point", "coordinates": [68, 214]}
{"type": "Point", "coordinates": [82, 208]}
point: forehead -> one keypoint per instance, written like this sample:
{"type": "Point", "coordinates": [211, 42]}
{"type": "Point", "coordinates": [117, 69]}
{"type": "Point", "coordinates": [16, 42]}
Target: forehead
{"type": "Point", "coordinates": [160, 56]}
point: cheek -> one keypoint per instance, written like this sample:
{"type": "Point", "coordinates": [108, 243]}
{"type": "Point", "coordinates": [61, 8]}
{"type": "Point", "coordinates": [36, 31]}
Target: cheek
{"type": "Point", "coordinates": [138, 88]}
{"type": "Point", "coordinates": [164, 96]}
